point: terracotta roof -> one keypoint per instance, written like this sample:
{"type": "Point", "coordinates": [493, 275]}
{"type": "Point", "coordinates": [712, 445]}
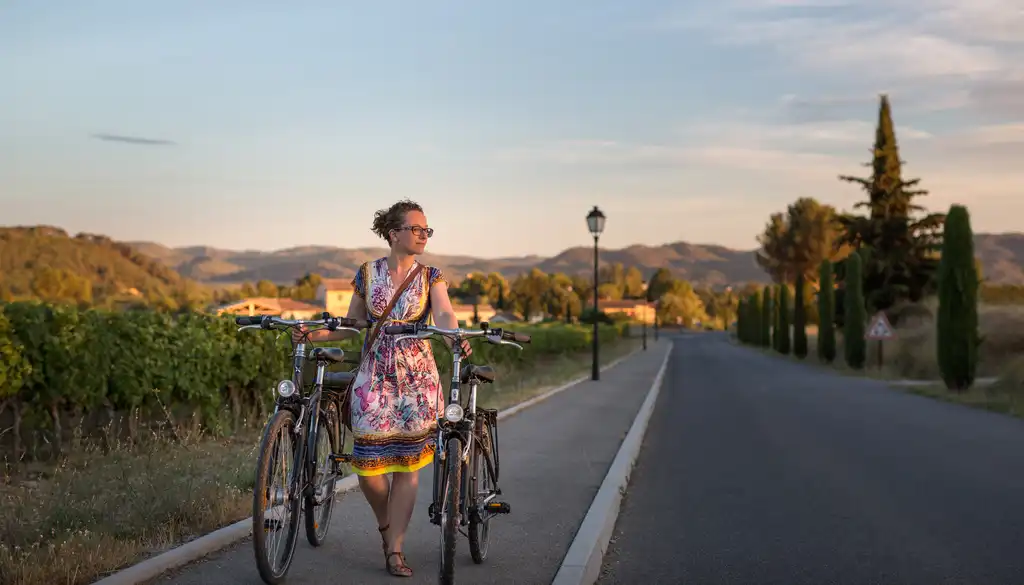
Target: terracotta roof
{"type": "Point", "coordinates": [469, 308]}
{"type": "Point", "coordinates": [623, 304]}
{"type": "Point", "coordinates": [274, 304]}
{"type": "Point", "coordinates": [337, 283]}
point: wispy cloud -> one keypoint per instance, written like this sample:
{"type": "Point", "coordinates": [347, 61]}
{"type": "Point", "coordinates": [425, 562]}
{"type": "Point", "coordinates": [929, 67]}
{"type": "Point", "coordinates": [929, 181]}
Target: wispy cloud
{"type": "Point", "coordinates": [133, 140]}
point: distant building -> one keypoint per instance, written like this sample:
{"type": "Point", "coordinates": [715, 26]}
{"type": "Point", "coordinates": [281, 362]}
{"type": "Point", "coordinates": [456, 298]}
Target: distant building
{"type": "Point", "coordinates": [636, 309]}
{"type": "Point", "coordinates": [283, 308]}
{"type": "Point", "coordinates": [335, 295]}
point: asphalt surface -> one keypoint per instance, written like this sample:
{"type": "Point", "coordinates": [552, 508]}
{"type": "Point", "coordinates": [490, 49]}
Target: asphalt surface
{"type": "Point", "coordinates": [758, 470]}
{"type": "Point", "coordinates": [553, 457]}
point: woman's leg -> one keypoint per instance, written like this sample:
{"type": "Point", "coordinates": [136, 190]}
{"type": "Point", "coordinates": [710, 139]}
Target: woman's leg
{"type": "Point", "coordinates": [400, 506]}
{"type": "Point", "coordinates": [377, 492]}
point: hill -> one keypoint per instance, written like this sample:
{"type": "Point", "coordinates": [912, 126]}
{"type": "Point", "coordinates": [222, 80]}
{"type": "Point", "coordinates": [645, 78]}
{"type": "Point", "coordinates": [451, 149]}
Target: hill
{"type": "Point", "coordinates": [45, 262]}
{"type": "Point", "coordinates": [1002, 257]}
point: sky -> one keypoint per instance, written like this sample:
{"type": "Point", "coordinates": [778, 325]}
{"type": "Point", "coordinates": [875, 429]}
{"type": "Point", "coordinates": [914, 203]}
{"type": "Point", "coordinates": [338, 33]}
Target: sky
{"type": "Point", "coordinates": [265, 125]}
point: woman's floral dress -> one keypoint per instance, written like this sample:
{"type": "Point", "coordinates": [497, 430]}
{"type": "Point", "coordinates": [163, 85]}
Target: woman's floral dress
{"type": "Point", "coordinates": [397, 389]}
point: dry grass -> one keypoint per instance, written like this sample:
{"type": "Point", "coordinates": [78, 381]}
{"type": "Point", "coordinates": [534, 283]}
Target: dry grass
{"type": "Point", "coordinates": [94, 513]}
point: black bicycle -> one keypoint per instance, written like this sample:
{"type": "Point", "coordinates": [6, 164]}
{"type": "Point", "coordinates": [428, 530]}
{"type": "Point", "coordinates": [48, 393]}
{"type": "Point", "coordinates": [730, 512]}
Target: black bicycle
{"type": "Point", "coordinates": [281, 483]}
{"type": "Point", "coordinates": [466, 462]}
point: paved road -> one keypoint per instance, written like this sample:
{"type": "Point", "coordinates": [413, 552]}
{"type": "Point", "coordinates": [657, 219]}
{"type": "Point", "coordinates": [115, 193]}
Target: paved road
{"type": "Point", "coordinates": [554, 457]}
{"type": "Point", "coordinates": [757, 470]}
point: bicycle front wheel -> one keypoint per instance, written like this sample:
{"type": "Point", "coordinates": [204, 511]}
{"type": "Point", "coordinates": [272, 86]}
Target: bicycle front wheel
{"type": "Point", "coordinates": [275, 513]}
{"type": "Point", "coordinates": [450, 508]}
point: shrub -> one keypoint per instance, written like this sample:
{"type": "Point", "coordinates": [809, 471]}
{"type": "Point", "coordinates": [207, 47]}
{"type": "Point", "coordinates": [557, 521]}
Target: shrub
{"type": "Point", "coordinates": [767, 310]}
{"type": "Point", "coordinates": [783, 345]}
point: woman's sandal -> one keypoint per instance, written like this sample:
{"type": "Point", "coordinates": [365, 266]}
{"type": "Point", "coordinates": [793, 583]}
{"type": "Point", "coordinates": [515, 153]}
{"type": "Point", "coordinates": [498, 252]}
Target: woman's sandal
{"type": "Point", "coordinates": [399, 569]}
{"type": "Point", "coordinates": [384, 543]}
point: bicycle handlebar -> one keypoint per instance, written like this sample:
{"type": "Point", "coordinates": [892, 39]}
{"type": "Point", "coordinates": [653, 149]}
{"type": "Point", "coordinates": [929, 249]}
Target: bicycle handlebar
{"type": "Point", "coordinates": [415, 329]}
{"type": "Point", "coordinates": [326, 322]}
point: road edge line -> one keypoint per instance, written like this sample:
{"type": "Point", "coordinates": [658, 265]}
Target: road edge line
{"type": "Point", "coordinates": [212, 542]}
{"type": "Point", "coordinates": [582, 562]}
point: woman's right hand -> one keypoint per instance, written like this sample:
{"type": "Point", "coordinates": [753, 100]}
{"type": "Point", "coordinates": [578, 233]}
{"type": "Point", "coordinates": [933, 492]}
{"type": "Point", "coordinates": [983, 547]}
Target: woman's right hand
{"type": "Point", "coordinates": [298, 333]}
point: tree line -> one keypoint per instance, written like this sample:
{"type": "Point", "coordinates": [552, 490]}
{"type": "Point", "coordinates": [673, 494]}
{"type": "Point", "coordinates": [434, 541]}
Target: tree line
{"type": "Point", "coordinates": [854, 266]}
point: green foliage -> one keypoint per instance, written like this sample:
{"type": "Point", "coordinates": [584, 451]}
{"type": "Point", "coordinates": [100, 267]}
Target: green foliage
{"type": "Point", "coordinates": [800, 318]}
{"type": "Point", "coordinates": [783, 345]}
{"type": "Point", "coordinates": [855, 320]}
{"type": "Point", "coordinates": [826, 314]}
{"type": "Point", "coordinates": [795, 242]}
{"type": "Point", "coordinates": [957, 318]}
{"type": "Point", "coordinates": [767, 310]}
{"type": "Point", "coordinates": [57, 360]}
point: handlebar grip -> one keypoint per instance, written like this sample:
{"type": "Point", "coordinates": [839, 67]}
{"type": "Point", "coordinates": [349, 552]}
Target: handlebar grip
{"type": "Point", "coordinates": [249, 320]}
{"type": "Point", "coordinates": [521, 337]}
{"type": "Point", "coordinates": [399, 329]}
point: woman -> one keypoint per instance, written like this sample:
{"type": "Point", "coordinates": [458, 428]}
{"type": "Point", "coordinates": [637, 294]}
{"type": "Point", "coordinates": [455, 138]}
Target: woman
{"type": "Point", "coordinates": [396, 393]}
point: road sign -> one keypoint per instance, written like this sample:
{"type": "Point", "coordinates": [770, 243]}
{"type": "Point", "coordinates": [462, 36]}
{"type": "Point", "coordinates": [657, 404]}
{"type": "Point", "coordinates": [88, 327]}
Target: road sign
{"type": "Point", "coordinates": [879, 328]}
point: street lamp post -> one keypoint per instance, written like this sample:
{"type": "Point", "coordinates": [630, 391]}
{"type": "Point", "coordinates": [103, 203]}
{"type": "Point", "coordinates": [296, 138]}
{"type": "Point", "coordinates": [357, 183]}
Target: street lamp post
{"type": "Point", "coordinates": [595, 222]}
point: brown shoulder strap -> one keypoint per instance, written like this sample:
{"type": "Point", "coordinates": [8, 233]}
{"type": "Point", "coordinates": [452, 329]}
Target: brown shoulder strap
{"type": "Point", "coordinates": [391, 305]}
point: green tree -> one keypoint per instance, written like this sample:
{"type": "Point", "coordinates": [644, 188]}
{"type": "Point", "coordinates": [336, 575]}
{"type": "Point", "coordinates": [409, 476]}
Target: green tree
{"type": "Point", "coordinates": [799, 318]}
{"type": "Point", "coordinates": [767, 309]}
{"type": "Point", "coordinates": [784, 345]}
{"type": "Point", "coordinates": [854, 322]}
{"type": "Point", "coordinates": [659, 284]}
{"type": "Point", "coordinates": [755, 318]}
{"type": "Point", "coordinates": [957, 318]}
{"type": "Point", "coordinates": [795, 243]}
{"type": "Point", "coordinates": [826, 314]}
{"type": "Point", "coordinates": [681, 303]}
{"type": "Point", "coordinates": [904, 250]}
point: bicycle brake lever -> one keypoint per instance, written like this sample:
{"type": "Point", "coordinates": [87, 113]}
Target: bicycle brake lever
{"type": "Point", "coordinates": [244, 327]}
{"type": "Point", "coordinates": [512, 343]}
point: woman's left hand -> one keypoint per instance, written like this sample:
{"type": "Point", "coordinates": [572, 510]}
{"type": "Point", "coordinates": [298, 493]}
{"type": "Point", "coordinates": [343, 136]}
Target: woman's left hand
{"type": "Point", "coordinates": [466, 349]}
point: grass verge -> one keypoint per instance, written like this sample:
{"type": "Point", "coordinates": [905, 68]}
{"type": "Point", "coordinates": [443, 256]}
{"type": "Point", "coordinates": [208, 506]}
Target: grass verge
{"type": "Point", "coordinates": [96, 512]}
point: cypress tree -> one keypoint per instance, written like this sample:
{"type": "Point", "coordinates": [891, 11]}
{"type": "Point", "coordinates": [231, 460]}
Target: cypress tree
{"type": "Point", "coordinates": [854, 322]}
{"type": "Point", "coordinates": [766, 317]}
{"type": "Point", "coordinates": [826, 314]}
{"type": "Point", "coordinates": [776, 328]}
{"type": "Point", "coordinates": [742, 322]}
{"type": "Point", "coordinates": [755, 318]}
{"type": "Point", "coordinates": [783, 346]}
{"type": "Point", "coordinates": [799, 319]}
{"type": "Point", "coordinates": [957, 320]}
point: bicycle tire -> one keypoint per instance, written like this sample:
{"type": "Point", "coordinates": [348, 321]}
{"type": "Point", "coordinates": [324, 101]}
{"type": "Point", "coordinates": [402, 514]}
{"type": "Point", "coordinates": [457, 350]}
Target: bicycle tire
{"type": "Point", "coordinates": [483, 479]}
{"type": "Point", "coordinates": [282, 420]}
{"type": "Point", "coordinates": [450, 509]}
{"type": "Point", "coordinates": [318, 517]}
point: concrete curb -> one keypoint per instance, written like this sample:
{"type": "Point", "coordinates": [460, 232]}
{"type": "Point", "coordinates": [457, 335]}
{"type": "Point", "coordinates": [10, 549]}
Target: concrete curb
{"type": "Point", "coordinates": [582, 562]}
{"type": "Point", "coordinates": [223, 537]}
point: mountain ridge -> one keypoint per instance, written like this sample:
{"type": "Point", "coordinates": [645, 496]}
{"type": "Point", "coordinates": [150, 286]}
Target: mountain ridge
{"type": "Point", "coordinates": [1001, 254]}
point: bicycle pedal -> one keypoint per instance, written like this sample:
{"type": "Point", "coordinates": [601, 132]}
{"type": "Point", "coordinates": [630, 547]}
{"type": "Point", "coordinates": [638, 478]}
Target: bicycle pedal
{"type": "Point", "coordinates": [498, 507]}
{"type": "Point", "coordinates": [269, 524]}
{"type": "Point", "coordinates": [341, 458]}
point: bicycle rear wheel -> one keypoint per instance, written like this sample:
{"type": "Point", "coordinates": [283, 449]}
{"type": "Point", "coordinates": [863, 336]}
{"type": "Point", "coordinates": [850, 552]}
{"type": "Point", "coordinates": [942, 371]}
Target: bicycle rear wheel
{"type": "Point", "coordinates": [275, 528]}
{"type": "Point", "coordinates": [319, 504]}
{"type": "Point", "coordinates": [482, 485]}
{"type": "Point", "coordinates": [450, 509]}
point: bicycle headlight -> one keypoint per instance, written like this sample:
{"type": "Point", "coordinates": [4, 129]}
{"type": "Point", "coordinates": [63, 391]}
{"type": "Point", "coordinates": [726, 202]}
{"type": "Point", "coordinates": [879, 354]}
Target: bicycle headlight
{"type": "Point", "coordinates": [453, 413]}
{"type": "Point", "coordinates": [286, 388]}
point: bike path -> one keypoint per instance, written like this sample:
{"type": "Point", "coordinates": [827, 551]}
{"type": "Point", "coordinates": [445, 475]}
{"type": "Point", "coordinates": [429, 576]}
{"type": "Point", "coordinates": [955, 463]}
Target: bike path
{"type": "Point", "coordinates": [553, 456]}
{"type": "Point", "coordinates": [756, 469]}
